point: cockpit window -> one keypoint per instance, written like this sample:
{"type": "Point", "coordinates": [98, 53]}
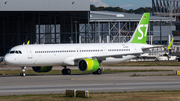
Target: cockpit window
{"type": "Point", "coordinates": [20, 52]}
{"type": "Point", "coordinates": [15, 52]}
{"type": "Point", "coordinates": [12, 52]}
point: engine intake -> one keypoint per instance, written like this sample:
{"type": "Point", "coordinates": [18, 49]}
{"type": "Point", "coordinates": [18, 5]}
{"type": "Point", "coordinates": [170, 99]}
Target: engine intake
{"type": "Point", "coordinates": [42, 69]}
{"type": "Point", "coordinates": [88, 65]}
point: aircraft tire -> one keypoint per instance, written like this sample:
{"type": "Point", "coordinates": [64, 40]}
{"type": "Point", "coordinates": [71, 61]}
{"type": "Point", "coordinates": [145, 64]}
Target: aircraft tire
{"type": "Point", "coordinates": [68, 71]}
{"type": "Point", "coordinates": [22, 74]}
{"type": "Point", "coordinates": [94, 73]}
{"type": "Point", "coordinates": [63, 72]}
{"type": "Point", "coordinates": [98, 71]}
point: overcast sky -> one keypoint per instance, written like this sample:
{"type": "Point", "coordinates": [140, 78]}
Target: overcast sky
{"type": "Point", "coordinates": [126, 4]}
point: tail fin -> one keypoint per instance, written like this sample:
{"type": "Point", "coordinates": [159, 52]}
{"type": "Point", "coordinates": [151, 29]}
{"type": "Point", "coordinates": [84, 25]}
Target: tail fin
{"type": "Point", "coordinates": [140, 34]}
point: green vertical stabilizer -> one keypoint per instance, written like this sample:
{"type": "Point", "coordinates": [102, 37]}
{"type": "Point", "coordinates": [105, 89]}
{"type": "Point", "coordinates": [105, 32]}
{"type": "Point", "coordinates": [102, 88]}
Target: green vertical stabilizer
{"type": "Point", "coordinates": [140, 34]}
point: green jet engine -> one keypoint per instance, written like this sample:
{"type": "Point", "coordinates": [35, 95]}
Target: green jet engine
{"type": "Point", "coordinates": [91, 65]}
{"type": "Point", "coordinates": [42, 69]}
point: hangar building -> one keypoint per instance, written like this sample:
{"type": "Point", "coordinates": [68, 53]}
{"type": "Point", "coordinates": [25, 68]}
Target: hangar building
{"type": "Point", "coordinates": [119, 27]}
{"type": "Point", "coordinates": [40, 21]}
{"type": "Point", "coordinates": [70, 21]}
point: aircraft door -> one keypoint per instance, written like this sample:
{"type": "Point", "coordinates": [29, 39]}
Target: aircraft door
{"type": "Point", "coordinates": [78, 51]}
{"type": "Point", "coordinates": [134, 48]}
{"type": "Point", "coordinates": [104, 51]}
{"type": "Point", "coordinates": [29, 51]}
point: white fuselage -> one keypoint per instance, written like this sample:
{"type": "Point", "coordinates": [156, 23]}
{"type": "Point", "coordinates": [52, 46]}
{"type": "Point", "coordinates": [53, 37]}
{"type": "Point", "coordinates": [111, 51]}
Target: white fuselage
{"type": "Point", "coordinates": [65, 54]}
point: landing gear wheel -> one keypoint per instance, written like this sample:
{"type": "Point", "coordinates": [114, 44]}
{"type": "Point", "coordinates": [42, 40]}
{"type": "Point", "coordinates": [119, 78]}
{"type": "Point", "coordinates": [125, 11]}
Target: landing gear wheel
{"type": "Point", "coordinates": [22, 74]}
{"type": "Point", "coordinates": [66, 71]}
{"type": "Point", "coordinates": [98, 72]}
{"type": "Point", "coordinates": [94, 73]}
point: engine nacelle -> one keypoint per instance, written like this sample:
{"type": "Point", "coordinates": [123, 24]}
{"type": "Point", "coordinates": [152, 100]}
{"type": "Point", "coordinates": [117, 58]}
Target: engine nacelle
{"type": "Point", "coordinates": [88, 65]}
{"type": "Point", "coordinates": [42, 69]}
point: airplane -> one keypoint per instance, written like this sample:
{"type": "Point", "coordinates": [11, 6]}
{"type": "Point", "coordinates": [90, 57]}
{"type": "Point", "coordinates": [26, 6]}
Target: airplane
{"type": "Point", "coordinates": [88, 57]}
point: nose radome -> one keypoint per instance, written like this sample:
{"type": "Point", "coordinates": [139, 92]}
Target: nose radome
{"type": "Point", "coordinates": [7, 59]}
{"type": "Point", "coordinates": [4, 59]}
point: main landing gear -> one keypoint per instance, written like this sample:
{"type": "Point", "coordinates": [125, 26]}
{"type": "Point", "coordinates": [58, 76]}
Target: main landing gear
{"type": "Point", "coordinates": [23, 72]}
{"type": "Point", "coordinates": [66, 71]}
{"type": "Point", "coordinates": [98, 72]}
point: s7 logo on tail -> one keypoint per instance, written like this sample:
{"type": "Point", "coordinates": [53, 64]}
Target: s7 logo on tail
{"type": "Point", "coordinates": [142, 34]}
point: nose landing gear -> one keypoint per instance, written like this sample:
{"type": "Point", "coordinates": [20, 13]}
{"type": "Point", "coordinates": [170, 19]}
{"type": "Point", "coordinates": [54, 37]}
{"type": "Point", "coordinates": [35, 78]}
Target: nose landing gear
{"type": "Point", "coordinates": [23, 72]}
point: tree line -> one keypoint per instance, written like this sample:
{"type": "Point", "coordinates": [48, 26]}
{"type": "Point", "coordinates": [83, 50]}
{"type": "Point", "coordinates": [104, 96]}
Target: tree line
{"type": "Point", "coordinates": [119, 9]}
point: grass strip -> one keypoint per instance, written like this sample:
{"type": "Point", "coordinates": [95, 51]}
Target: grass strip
{"type": "Point", "coordinates": [135, 63]}
{"type": "Point", "coordinates": [134, 75]}
{"type": "Point", "coordinates": [31, 72]}
{"type": "Point", "coordinates": [120, 96]}
{"type": "Point", "coordinates": [154, 63]}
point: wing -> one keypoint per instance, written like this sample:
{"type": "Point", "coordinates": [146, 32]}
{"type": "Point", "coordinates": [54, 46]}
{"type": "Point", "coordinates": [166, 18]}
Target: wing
{"type": "Point", "coordinates": [103, 57]}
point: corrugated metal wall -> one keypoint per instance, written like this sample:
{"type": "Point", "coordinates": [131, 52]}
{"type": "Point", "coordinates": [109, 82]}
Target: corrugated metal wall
{"type": "Point", "coordinates": [44, 5]}
{"type": "Point", "coordinates": [166, 30]}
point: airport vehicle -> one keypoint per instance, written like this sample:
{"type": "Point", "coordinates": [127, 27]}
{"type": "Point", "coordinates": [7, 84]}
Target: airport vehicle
{"type": "Point", "coordinates": [87, 57]}
{"type": "Point", "coordinates": [166, 57]}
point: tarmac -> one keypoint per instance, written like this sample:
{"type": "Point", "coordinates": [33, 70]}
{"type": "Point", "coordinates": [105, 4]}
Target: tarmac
{"type": "Point", "coordinates": [108, 82]}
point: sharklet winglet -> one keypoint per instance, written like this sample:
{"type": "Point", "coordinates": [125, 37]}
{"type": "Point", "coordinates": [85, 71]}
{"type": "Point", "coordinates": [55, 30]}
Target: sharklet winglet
{"type": "Point", "coordinates": [170, 44]}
